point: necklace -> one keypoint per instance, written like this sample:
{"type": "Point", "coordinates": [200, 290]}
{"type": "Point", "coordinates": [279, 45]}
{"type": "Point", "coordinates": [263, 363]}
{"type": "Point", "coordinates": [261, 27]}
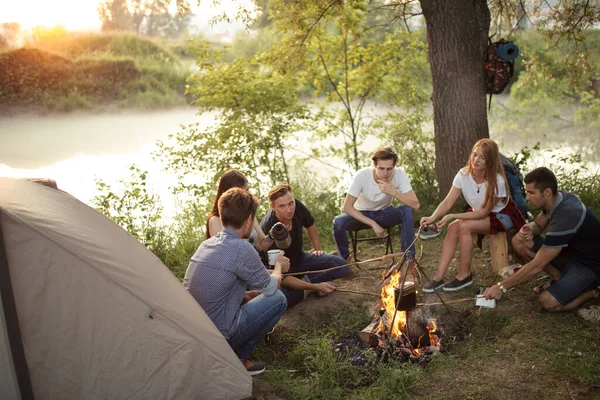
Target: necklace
{"type": "Point", "coordinates": [479, 186]}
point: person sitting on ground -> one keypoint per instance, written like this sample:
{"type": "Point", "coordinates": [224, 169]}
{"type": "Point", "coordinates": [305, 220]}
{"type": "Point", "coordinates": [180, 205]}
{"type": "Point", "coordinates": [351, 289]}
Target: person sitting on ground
{"type": "Point", "coordinates": [294, 215]}
{"type": "Point", "coordinates": [483, 185]}
{"type": "Point", "coordinates": [368, 203]}
{"type": "Point", "coordinates": [231, 179]}
{"type": "Point", "coordinates": [224, 265]}
{"type": "Point", "coordinates": [569, 252]}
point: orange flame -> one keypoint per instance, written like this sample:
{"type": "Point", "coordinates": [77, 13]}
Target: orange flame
{"type": "Point", "coordinates": [433, 334]}
{"type": "Point", "coordinates": [388, 301]}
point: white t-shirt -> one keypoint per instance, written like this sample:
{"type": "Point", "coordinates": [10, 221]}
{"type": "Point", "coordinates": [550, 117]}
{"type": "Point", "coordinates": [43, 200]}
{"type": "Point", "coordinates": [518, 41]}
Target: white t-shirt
{"type": "Point", "coordinates": [366, 190]}
{"type": "Point", "coordinates": [464, 181]}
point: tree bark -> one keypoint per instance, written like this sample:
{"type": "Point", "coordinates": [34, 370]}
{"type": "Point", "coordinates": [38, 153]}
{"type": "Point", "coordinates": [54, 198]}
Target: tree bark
{"type": "Point", "coordinates": [457, 32]}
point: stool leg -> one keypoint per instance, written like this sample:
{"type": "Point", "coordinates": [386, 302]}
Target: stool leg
{"type": "Point", "coordinates": [388, 246]}
{"type": "Point", "coordinates": [354, 236]}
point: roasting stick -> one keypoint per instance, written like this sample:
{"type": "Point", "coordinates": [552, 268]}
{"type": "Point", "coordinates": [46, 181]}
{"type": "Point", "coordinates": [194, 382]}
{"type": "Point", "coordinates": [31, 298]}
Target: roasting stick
{"type": "Point", "coordinates": [382, 258]}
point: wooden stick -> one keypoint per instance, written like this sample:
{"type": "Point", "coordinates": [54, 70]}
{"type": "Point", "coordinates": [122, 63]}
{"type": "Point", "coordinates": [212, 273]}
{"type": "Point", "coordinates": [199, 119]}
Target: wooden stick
{"type": "Point", "coordinates": [382, 258]}
{"type": "Point", "coordinates": [357, 292]}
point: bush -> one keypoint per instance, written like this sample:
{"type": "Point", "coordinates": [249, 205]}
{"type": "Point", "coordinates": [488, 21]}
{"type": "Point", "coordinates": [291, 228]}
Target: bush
{"type": "Point", "coordinates": [91, 71]}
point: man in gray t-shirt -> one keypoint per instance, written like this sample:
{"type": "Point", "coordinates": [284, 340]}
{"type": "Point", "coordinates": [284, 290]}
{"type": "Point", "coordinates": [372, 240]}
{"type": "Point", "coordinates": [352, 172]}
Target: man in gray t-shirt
{"type": "Point", "coordinates": [224, 266]}
{"type": "Point", "coordinates": [569, 252]}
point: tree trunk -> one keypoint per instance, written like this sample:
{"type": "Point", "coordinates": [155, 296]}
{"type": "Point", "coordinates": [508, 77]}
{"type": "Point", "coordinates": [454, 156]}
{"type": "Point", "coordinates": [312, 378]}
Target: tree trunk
{"type": "Point", "coordinates": [457, 32]}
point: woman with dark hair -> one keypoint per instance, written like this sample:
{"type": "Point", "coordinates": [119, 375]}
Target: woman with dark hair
{"type": "Point", "coordinates": [483, 184]}
{"type": "Point", "coordinates": [231, 178]}
{"type": "Point", "coordinates": [234, 179]}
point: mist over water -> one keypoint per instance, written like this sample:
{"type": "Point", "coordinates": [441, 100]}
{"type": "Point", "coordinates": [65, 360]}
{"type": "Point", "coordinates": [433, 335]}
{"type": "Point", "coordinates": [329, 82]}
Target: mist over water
{"type": "Point", "coordinates": [77, 149]}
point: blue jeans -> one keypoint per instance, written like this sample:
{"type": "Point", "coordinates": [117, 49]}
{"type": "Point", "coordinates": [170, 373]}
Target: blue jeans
{"type": "Point", "coordinates": [386, 218]}
{"type": "Point", "coordinates": [311, 262]}
{"type": "Point", "coordinates": [254, 320]}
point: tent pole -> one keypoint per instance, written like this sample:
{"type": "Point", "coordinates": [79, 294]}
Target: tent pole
{"type": "Point", "coordinates": [13, 329]}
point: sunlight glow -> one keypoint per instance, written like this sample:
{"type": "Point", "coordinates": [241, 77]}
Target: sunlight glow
{"type": "Point", "coordinates": [81, 15]}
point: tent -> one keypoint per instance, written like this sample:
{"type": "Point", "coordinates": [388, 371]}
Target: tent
{"type": "Point", "coordinates": [87, 312]}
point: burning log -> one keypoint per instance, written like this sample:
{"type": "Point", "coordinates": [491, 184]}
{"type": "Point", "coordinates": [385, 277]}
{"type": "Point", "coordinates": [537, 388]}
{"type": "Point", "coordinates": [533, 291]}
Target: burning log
{"type": "Point", "coordinates": [401, 327]}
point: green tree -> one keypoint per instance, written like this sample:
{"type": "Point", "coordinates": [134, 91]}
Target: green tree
{"type": "Point", "coordinates": [457, 34]}
{"type": "Point", "coordinates": [145, 17]}
{"type": "Point", "coordinates": [257, 111]}
{"type": "Point", "coordinates": [349, 59]}
{"type": "Point", "coordinates": [114, 15]}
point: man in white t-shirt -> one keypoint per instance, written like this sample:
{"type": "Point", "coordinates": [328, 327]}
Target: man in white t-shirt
{"type": "Point", "coordinates": [368, 203]}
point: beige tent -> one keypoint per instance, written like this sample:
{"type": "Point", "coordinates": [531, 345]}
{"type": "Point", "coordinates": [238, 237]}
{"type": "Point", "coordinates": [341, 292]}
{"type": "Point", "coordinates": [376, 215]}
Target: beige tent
{"type": "Point", "coordinates": [89, 313]}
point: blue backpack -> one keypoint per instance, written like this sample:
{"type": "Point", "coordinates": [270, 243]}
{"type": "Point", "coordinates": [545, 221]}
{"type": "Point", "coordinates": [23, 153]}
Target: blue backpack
{"type": "Point", "coordinates": [515, 183]}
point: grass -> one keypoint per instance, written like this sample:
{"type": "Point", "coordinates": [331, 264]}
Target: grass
{"type": "Point", "coordinates": [92, 72]}
{"type": "Point", "coordinates": [514, 351]}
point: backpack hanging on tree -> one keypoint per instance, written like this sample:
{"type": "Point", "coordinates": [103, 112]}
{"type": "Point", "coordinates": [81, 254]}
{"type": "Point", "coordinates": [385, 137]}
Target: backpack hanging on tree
{"type": "Point", "coordinates": [499, 65]}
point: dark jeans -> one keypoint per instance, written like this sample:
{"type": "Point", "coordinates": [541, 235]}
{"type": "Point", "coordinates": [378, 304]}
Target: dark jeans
{"type": "Point", "coordinates": [386, 218]}
{"type": "Point", "coordinates": [311, 262]}
{"type": "Point", "coordinates": [254, 320]}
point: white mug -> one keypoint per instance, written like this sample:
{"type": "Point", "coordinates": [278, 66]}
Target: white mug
{"type": "Point", "coordinates": [273, 256]}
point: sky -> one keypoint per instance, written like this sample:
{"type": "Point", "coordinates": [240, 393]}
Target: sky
{"type": "Point", "coordinates": [79, 15]}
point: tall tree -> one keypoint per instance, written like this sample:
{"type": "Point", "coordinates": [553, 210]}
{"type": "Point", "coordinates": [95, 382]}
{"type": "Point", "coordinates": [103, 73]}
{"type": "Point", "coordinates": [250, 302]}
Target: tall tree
{"type": "Point", "coordinates": [114, 15]}
{"type": "Point", "coordinates": [457, 33]}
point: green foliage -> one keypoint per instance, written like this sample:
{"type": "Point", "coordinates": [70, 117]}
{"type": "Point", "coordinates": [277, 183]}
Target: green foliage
{"type": "Point", "coordinates": [135, 209]}
{"type": "Point", "coordinates": [572, 172]}
{"type": "Point", "coordinates": [258, 111]}
{"type": "Point", "coordinates": [91, 71]}
{"type": "Point", "coordinates": [553, 96]}
{"type": "Point", "coordinates": [350, 59]}
{"type": "Point", "coordinates": [138, 211]}
{"type": "Point", "coordinates": [321, 198]}
{"type": "Point", "coordinates": [145, 17]}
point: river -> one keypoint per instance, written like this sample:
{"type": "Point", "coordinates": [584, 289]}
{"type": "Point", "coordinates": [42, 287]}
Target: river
{"type": "Point", "coordinates": [77, 149]}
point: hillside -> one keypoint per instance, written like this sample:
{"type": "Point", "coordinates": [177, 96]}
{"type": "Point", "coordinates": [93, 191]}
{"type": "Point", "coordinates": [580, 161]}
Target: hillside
{"type": "Point", "coordinates": [91, 72]}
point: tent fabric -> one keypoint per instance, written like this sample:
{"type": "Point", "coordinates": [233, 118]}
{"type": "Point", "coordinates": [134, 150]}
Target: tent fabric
{"type": "Point", "coordinates": [101, 317]}
{"type": "Point", "coordinates": [9, 386]}
{"type": "Point", "coordinates": [11, 344]}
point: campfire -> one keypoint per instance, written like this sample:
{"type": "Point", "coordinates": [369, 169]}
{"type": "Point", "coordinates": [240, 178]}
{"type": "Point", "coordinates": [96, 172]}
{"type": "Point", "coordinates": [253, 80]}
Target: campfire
{"type": "Point", "coordinates": [406, 331]}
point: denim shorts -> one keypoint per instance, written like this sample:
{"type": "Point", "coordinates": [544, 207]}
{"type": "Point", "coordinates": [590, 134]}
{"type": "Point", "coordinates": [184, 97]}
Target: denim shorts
{"type": "Point", "coordinates": [505, 220]}
{"type": "Point", "coordinates": [576, 278]}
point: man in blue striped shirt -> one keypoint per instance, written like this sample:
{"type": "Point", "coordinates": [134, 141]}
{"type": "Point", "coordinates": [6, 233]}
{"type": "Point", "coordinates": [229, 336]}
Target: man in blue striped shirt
{"type": "Point", "coordinates": [225, 266]}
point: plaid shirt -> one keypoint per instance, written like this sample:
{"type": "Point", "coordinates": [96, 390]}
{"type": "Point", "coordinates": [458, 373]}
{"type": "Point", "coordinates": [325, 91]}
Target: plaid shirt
{"type": "Point", "coordinates": [496, 226]}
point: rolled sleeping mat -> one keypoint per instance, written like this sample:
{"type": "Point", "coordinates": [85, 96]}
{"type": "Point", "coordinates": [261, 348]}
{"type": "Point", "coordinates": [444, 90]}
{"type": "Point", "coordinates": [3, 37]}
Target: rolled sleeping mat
{"type": "Point", "coordinates": [507, 51]}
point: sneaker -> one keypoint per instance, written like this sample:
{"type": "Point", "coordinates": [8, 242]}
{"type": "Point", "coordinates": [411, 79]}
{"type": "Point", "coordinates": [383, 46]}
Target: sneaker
{"type": "Point", "coordinates": [432, 285]}
{"type": "Point", "coordinates": [457, 285]}
{"type": "Point", "coordinates": [428, 232]}
{"type": "Point", "coordinates": [254, 368]}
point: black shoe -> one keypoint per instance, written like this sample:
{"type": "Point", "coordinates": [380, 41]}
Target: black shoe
{"type": "Point", "coordinates": [432, 285]}
{"type": "Point", "coordinates": [254, 368]}
{"type": "Point", "coordinates": [457, 285]}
